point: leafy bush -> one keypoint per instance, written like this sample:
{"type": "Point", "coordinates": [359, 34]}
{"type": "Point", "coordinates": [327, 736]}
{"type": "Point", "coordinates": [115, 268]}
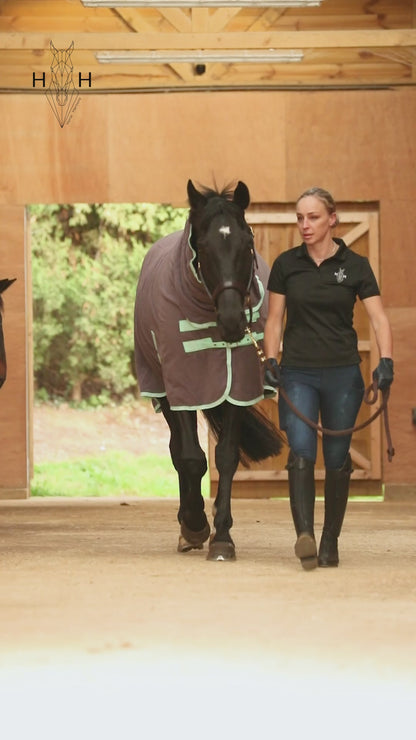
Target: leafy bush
{"type": "Point", "coordinates": [86, 262]}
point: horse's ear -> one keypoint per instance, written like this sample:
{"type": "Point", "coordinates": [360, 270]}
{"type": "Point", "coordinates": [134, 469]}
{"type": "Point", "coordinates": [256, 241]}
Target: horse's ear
{"type": "Point", "coordinates": [4, 284]}
{"type": "Point", "coordinates": [196, 199]}
{"type": "Point", "coordinates": [241, 195]}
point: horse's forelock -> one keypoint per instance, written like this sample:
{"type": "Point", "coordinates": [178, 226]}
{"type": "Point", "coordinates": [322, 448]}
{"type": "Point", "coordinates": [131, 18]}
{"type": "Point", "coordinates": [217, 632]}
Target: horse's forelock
{"type": "Point", "coordinates": [226, 193]}
{"type": "Point", "coordinates": [218, 202]}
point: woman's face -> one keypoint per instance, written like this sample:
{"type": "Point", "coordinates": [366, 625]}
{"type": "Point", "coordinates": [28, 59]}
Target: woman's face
{"type": "Point", "coordinates": [314, 221]}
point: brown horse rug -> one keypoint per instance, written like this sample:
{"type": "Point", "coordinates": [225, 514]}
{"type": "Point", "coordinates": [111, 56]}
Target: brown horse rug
{"type": "Point", "coordinates": [178, 349]}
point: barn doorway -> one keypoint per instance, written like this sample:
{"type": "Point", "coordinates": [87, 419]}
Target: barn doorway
{"type": "Point", "coordinates": [86, 420]}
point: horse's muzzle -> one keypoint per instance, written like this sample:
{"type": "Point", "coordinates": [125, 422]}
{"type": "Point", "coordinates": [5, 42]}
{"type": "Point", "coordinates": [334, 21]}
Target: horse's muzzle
{"type": "Point", "coordinates": [232, 327]}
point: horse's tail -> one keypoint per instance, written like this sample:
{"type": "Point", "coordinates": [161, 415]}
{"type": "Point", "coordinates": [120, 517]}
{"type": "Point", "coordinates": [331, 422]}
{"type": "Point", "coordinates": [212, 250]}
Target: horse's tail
{"type": "Point", "coordinates": [259, 438]}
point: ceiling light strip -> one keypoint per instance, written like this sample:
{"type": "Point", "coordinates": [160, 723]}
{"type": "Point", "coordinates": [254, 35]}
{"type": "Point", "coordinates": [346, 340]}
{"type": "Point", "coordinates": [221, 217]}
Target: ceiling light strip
{"type": "Point", "coordinates": [270, 56]}
{"type": "Point", "coordinates": [201, 3]}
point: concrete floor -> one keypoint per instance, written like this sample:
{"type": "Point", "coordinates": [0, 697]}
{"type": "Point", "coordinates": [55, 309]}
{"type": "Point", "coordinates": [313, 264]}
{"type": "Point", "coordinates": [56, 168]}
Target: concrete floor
{"type": "Point", "coordinates": [106, 631]}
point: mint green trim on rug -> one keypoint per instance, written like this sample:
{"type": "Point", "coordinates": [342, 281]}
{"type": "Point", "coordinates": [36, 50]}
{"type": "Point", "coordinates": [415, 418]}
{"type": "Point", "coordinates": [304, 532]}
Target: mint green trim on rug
{"type": "Point", "coordinates": [199, 345]}
{"type": "Point", "coordinates": [187, 325]}
{"type": "Point", "coordinates": [155, 345]}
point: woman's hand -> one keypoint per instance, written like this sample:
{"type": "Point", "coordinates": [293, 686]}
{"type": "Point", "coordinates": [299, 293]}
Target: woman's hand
{"type": "Point", "coordinates": [272, 374]}
{"type": "Point", "coordinates": [384, 373]}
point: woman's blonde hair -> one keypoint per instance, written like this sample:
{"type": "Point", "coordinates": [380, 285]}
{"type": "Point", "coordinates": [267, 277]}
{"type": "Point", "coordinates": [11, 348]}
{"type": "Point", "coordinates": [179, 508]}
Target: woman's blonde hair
{"type": "Point", "coordinates": [324, 196]}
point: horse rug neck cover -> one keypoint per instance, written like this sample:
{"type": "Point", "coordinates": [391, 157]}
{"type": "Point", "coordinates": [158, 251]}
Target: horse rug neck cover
{"type": "Point", "coordinates": [179, 352]}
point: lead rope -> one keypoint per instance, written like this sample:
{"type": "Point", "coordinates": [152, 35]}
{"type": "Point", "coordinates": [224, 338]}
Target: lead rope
{"type": "Point", "coordinates": [370, 397]}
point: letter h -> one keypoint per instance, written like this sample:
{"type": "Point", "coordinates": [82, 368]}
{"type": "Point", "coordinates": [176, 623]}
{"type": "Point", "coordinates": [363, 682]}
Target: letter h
{"type": "Point", "coordinates": [38, 79]}
{"type": "Point", "coordinates": [84, 79]}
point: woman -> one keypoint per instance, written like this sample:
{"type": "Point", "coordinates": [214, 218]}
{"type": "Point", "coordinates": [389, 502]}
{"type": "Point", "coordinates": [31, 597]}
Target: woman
{"type": "Point", "coordinates": [316, 285]}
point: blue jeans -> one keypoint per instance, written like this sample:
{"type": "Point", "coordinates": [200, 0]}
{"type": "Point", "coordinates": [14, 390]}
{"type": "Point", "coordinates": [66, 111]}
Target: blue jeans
{"type": "Point", "coordinates": [334, 392]}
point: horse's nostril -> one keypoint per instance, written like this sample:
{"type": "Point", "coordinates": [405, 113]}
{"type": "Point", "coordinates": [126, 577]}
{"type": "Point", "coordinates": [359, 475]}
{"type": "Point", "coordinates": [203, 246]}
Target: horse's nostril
{"type": "Point", "coordinates": [232, 332]}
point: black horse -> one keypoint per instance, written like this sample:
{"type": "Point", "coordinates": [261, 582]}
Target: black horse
{"type": "Point", "coordinates": [4, 284]}
{"type": "Point", "coordinates": [198, 291]}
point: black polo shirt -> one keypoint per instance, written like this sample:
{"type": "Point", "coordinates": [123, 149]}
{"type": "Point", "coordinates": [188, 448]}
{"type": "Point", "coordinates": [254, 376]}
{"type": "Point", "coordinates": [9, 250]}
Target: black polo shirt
{"type": "Point", "coordinates": [320, 304]}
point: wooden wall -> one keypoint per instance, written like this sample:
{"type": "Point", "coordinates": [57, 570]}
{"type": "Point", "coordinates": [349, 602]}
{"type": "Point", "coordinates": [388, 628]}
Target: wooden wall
{"type": "Point", "coordinates": [14, 396]}
{"type": "Point", "coordinates": [361, 145]}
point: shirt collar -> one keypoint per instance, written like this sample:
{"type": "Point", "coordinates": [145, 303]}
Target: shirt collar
{"type": "Point", "coordinates": [339, 255]}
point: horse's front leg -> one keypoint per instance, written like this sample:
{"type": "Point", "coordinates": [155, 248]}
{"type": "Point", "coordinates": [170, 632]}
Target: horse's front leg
{"type": "Point", "coordinates": [190, 464]}
{"type": "Point", "coordinates": [221, 545]}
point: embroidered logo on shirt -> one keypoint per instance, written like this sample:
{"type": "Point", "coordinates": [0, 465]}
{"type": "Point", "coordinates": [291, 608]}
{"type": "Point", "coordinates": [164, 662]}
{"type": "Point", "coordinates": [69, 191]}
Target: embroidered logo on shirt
{"type": "Point", "coordinates": [340, 275]}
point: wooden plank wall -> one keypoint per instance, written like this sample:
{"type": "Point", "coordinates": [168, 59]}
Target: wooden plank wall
{"type": "Point", "coordinates": [14, 399]}
{"type": "Point", "coordinates": [361, 145]}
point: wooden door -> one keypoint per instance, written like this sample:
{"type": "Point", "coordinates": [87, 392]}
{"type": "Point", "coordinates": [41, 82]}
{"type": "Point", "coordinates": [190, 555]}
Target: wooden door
{"type": "Point", "coordinates": [275, 230]}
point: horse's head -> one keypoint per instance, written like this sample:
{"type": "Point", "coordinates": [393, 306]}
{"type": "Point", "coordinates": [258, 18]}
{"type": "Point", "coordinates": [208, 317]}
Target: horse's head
{"type": "Point", "coordinates": [225, 256]}
{"type": "Point", "coordinates": [4, 284]}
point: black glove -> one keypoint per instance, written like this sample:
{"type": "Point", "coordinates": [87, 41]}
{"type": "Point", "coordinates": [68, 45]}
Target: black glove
{"type": "Point", "coordinates": [383, 374]}
{"type": "Point", "coordinates": [272, 374]}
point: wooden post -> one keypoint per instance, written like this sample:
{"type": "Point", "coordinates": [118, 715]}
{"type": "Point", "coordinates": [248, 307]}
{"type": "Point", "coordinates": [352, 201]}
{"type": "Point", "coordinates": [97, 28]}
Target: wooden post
{"type": "Point", "coordinates": [14, 395]}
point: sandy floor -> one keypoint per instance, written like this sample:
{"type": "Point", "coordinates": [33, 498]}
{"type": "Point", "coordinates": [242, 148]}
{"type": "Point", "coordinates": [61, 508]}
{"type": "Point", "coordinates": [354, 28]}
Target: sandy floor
{"type": "Point", "coordinates": [106, 631]}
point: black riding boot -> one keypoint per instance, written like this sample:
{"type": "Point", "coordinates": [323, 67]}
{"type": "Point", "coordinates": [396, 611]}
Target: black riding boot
{"type": "Point", "coordinates": [302, 504]}
{"type": "Point", "coordinates": [337, 484]}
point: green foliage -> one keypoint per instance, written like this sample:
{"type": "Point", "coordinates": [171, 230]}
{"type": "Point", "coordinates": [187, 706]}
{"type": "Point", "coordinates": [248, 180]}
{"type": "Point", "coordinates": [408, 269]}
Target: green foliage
{"type": "Point", "coordinates": [86, 262]}
{"type": "Point", "coordinates": [112, 474]}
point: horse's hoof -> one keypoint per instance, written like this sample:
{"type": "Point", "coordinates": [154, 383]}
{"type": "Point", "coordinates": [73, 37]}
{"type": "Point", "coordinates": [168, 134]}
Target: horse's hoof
{"type": "Point", "coordinates": [221, 551]}
{"type": "Point", "coordinates": [185, 546]}
{"type": "Point", "coordinates": [189, 540]}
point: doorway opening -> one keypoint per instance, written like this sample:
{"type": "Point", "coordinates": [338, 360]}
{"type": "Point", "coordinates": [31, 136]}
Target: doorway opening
{"type": "Point", "coordinates": [91, 433]}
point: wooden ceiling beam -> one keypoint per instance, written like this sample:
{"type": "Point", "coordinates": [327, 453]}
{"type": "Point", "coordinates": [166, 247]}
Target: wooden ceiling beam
{"type": "Point", "coordinates": [181, 77]}
{"type": "Point", "coordinates": [177, 18]}
{"type": "Point", "coordinates": [265, 20]}
{"type": "Point", "coordinates": [200, 19]}
{"type": "Point", "coordinates": [221, 18]}
{"type": "Point", "coordinates": [220, 41]}
{"type": "Point", "coordinates": [132, 20]}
